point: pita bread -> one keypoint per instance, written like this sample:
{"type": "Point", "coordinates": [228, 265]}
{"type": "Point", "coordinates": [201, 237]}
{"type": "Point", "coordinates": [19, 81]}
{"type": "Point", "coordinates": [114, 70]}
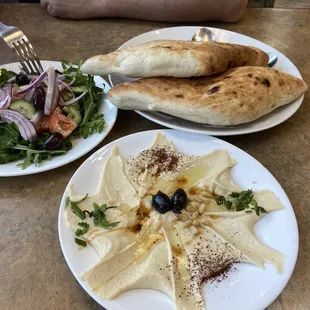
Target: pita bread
{"type": "Point", "coordinates": [175, 58]}
{"type": "Point", "coordinates": [236, 96]}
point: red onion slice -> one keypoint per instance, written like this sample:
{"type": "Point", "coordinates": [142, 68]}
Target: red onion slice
{"type": "Point", "coordinates": [5, 96]}
{"type": "Point", "coordinates": [63, 77]}
{"type": "Point", "coordinates": [51, 92]}
{"type": "Point", "coordinates": [65, 86]}
{"type": "Point", "coordinates": [56, 95]}
{"type": "Point", "coordinates": [25, 127]}
{"type": "Point", "coordinates": [64, 103]}
{"type": "Point", "coordinates": [35, 83]}
{"type": "Point", "coordinates": [29, 94]}
{"type": "Point", "coordinates": [36, 118]}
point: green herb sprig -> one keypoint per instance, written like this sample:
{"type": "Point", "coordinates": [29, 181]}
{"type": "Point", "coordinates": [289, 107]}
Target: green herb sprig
{"type": "Point", "coordinates": [240, 202]}
{"type": "Point", "coordinates": [80, 242]}
{"type": "Point", "coordinates": [83, 230]}
{"type": "Point", "coordinates": [98, 215]}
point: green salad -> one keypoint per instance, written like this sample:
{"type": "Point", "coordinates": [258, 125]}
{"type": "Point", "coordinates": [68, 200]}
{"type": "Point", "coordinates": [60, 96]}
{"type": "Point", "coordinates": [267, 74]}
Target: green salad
{"type": "Point", "coordinates": [40, 115]}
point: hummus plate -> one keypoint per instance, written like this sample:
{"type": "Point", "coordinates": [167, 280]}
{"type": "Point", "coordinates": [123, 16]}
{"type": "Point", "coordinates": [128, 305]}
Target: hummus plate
{"type": "Point", "coordinates": [246, 286]}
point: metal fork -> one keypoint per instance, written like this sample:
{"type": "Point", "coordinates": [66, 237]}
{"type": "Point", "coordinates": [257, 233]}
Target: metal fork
{"type": "Point", "coordinates": [23, 49]}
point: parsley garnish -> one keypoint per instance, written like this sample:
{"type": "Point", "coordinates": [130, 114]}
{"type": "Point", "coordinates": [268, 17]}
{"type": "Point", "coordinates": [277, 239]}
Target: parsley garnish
{"type": "Point", "coordinates": [240, 202]}
{"type": "Point", "coordinates": [99, 217]}
{"type": "Point", "coordinates": [84, 229]}
{"type": "Point", "coordinates": [78, 201]}
{"type": "Point", "coordinates": [80, 242]}
{"type": "Point", "coordinates": [77, 211]}
{"type": "Point", "coordinates": [67, 201]}
{"type": "Point", "coordinates": [221, 200]}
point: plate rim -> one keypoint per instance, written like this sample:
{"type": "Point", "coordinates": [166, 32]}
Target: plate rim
{"type": "Point", "coordinates": [215, 131]}
{"type": "Point", "coordinates": [77, 156]}
{"type": "Point", "coordinates": [294, 255]}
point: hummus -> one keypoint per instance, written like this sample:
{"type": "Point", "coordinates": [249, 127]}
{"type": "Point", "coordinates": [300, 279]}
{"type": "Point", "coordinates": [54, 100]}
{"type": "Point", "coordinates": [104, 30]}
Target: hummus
{"type": "Point", "coordinates": [171, 252]}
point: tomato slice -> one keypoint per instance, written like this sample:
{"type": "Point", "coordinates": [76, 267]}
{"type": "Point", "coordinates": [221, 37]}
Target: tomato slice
{"type": "Point", "coordinates": [42, 125]}
{"type": "Point", "coordinates": [60, 123]}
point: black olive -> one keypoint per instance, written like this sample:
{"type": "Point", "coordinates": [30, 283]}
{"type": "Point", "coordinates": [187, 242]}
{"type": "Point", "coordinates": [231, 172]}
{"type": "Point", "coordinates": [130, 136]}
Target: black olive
{"type": "Point", "coordinates": [54, 141]}
{"type": "Point", "coordinates": [161, 202]}
{"type": "Point", "coordinates": [22, 79]}
{"type": "Point", "coordinates": [179, 200]}
{"type": "Point", "coordinates": [38, 98]}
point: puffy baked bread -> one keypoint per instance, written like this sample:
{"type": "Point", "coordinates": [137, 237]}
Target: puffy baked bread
{"type": "Point", "coordinates": [175, 58]}
{"type": "Point", "coordinates": [237, 96]}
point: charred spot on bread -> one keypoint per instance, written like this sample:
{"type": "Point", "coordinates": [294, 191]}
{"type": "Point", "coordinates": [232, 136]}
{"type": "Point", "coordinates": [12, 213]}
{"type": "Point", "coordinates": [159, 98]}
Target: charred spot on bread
{"type": "Point", "coordinates": [266, 82]}
{"type": "Point", "coordinates": [213, 90]}
{"type": "Point", "coordinates": [250, 75]}
{"type": "Point", "coordinates": [179, 96]}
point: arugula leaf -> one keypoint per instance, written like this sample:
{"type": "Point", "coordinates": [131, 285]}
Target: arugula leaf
{"type": "Point", "coordinates": [96, 125]}
{"type": "Point", "coordinates": [13, 147]}
{"type": "Point", "coordinates": [5, 75]}
{"type": "Point", "coordinates": [9, 135]}
{"type": "Point", "coordinates": [92, 122]}
{"type": "Point", "coordinates": [80, 242]}
{"type": "Point", "coordinates": [77, 211]}
{"type": "Point", "coordinates": [83, 231]}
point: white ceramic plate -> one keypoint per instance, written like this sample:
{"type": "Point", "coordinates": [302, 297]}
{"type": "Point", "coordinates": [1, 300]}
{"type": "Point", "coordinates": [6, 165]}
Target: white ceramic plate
{"type": "Point", "coordinates": [185, 33]}
{"type": "Point", "coordinates": [248, 287]}
{"type": "Point", "coordinates": [80, 146]}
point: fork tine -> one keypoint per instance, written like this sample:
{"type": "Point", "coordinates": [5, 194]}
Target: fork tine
{"type": "Point", "coordinates": [34, 58]}
{"type": "Point", "coordinates": [24, 54]}
{"type": "Point", "coordinates": [20, 58]}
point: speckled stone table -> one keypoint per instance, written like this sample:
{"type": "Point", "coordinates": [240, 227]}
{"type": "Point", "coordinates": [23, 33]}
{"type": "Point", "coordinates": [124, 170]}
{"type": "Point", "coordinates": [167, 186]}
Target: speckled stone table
{"type": "Point", "coordinates": [33, 272]}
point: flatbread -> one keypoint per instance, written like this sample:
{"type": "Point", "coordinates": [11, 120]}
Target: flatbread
{"type": "Point", "coordinates": [175, 58]}
{"type": "Point", "coordinates": [237, 96]}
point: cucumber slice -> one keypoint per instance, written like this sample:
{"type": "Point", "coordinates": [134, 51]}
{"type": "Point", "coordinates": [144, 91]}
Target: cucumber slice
{"type": "Point", "coordinates": [66, 95]}
{"type": "Point", "coordinates": [78, 89]}
{"type": "Point", "coordinates": [73, 114]}
{"type": "Point", "coordinates": [24, 107]}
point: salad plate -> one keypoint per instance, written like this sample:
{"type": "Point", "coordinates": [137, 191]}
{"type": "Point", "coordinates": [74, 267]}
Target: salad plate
{"type": "Point", "coordinates": [247, 287]}
{"type": "Point", "coordinates": [80, 146]}
{"type": "Point", "coordinates": [270, 120]}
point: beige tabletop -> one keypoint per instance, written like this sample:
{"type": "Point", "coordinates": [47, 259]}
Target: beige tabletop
{"type": "Point", "coordinates": [33, 272]}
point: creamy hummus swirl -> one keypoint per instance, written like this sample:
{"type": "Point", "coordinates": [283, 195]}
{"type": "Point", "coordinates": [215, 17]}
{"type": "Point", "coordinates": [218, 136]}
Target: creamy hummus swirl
{"type": "Point", "coordinates": [173, 253]}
